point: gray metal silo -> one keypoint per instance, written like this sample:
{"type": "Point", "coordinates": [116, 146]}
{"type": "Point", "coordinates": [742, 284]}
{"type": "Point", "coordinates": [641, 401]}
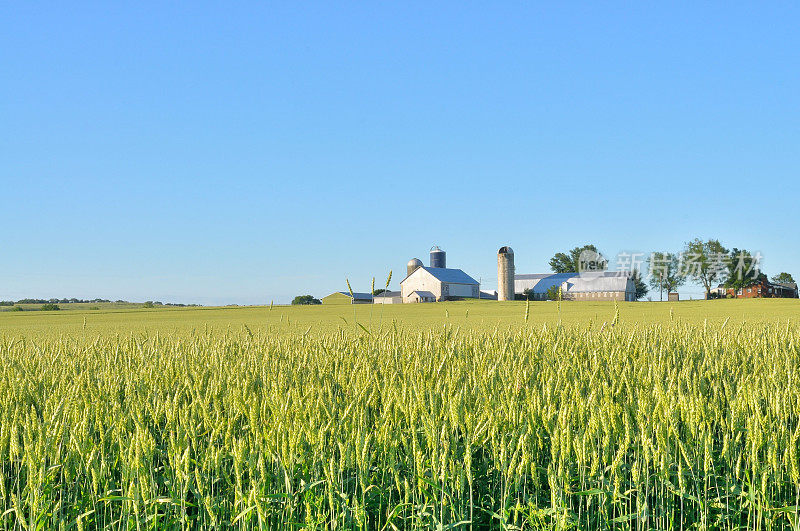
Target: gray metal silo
{"type": "Point", "coordinates": [438, 258]}
{"type": "Point", "coordinates": [505, 274]}
{"type": "Point", "coordinates": [413, 265]}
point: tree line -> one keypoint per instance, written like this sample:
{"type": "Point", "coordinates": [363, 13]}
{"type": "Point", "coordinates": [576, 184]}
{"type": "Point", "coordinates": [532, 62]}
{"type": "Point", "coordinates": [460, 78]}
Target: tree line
{"type": "Point", "coordinates": [52, 301]}
{"type": "Point", "coordinates": [706, 262]}
{"type": "Point", "coordinates": [55, 301]}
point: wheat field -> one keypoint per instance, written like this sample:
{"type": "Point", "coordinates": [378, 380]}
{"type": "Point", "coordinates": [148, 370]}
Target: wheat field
{"type": "Point", "coordinates": [532, 421]}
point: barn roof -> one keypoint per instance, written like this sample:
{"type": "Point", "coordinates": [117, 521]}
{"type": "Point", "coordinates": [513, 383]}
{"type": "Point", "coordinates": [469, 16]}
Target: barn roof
{"type": "Point", "coordinates": [358, 296]}
{"type": "Point", "coordinates": [544, 275]}
{"type": "Point", "coordinates": [585, 274]}
{"type": "Point", "coordinates": [424, 294]}
{"type": "Point", "coordinates": [451, 276]}
{"type": "Point", "coordinates": [388, 294]}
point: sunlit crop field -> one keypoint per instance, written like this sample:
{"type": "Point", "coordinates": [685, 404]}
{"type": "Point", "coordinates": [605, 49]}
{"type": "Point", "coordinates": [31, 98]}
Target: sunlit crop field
{"type": "Point", "coordinates": [457, 415]}
{"type": "Point", "coordinates": [484, 315]}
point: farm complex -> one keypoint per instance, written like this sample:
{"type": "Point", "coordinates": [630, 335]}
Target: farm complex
{"type": "Point", "coordinates": [583, 277]}
{"type": "Point", "coordinates": [436, 283]}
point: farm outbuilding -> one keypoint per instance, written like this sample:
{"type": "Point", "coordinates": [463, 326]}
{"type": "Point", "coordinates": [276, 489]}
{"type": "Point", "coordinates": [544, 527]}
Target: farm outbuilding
{"type": "Point", "coordinates": [388, 297]}
{"type": "Point", "coordinates": [344, 297]}
{"type": "Point", "coordinates": [761, 289]}
{"type": "Point", "coordinates": [592, 286]}
{"type": "Point", "coordinates": [421, 296]}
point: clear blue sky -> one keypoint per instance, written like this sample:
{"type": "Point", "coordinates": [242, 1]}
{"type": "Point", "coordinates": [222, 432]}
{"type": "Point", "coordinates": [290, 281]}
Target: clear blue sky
{"type": "Point", "coordinates": [248, 152]}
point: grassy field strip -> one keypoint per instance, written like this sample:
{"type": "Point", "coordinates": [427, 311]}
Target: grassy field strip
{"type": "Point", "coordinates": [474, 315]}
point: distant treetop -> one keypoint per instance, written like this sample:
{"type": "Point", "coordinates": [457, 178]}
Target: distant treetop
{"type": "Point", "coordinates": [783, 278]}
{"type": "Point", "coordinates": [306, 299]}
{"type": "Point", "coordinates": [579, 259]}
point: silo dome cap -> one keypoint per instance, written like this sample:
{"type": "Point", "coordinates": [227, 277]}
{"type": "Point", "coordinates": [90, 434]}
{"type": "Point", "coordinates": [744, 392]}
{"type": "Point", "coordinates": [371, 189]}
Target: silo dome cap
{"type": "Point", "coordinates": [506, 250]}
{"type": "Point", "coordinates": [415, 262]}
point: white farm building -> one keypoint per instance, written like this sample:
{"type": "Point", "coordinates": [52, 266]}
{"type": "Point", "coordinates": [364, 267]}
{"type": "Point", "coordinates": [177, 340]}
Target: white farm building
{"type": "Point", "coordinates": [440, 282]}
{"type": "Point", "coordinates": [595, 285]}
{"type": "Point", "coordinates": [388, 297]}
{"type": "Point", "coordinates": [437, 282]}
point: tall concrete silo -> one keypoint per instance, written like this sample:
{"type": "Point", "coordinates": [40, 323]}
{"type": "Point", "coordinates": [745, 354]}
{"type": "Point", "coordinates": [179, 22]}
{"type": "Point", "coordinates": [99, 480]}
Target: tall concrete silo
{"type": "Point", "coordinates": [413, 265]}
{"type": "Point", "coordinates": [505, 274]}
{"type": "Point", "coordinates": [438, 258]}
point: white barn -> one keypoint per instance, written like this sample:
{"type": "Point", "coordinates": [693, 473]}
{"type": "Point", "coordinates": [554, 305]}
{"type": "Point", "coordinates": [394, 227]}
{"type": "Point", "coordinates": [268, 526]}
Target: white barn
{"type": "Point", "coordinates": [593, 285]}
{"type": "Point", "coordinates": [443, 283]}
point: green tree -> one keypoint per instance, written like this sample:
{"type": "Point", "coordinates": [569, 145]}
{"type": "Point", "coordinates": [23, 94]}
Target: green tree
{"type": "Point", "coordinates": [783, 278]}
{"type": "Point", "coordinates": [570, 262]}
{"type": "Point", "coordinates": [554, 293]}
{"type": "Point", "coordinates": [305, 299]}
{"type": "Point", "coordinates": [148, 304]}
{"type": "Point", "coordinates": [743, 270]}
{"type": "Point", "coordinates": [378, 291]}
{"type": "Point", "coordinates": [639, 284]}
{"type": "Point", "coordinates": [665, 272]}
{"type": "Point", "coordinates": [706, 262]}
{"type": "Point", "coordinates": [528, 295]}
{"type": "Point", "coordinates": [50, 307]}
